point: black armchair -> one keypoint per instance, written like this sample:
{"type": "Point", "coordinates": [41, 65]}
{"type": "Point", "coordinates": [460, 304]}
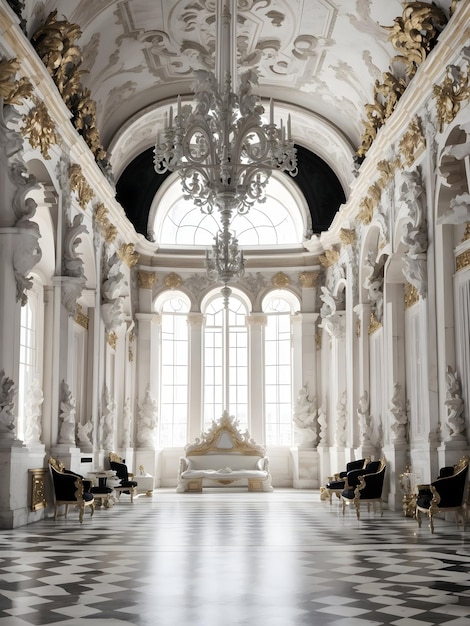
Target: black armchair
{"type": "Point", "coordinates": [70, 489]}
{"type": "Point", "coordinates": [365, 488]}
{"type": "Point", "coordinates": [127, 485]}
{"type": "Point", "coordinates": [336, 483]}
{"type": "Point", "coordinates": [447, 493]}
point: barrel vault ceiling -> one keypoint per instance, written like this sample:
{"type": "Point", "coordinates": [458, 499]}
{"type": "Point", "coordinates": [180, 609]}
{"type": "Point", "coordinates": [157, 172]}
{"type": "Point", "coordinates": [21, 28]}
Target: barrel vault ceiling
{"type": "Point", "coordinates": [318, 60]}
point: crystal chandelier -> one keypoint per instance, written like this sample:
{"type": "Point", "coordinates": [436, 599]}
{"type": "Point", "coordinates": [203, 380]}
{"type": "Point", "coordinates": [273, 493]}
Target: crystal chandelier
{"type": "Point", "coordinates": [222, 148]}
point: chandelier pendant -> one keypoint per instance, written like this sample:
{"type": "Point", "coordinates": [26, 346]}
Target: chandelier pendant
{"type": "Point", "coordinates": [223, 147]}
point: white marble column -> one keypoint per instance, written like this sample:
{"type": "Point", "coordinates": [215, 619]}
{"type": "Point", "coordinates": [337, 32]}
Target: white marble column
{"type": "Point", "coordinates": [256, 323]}
{"type": "Point", "coordinates": [195, 417]}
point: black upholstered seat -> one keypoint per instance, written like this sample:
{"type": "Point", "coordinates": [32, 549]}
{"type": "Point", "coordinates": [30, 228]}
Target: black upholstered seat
{"type": "Point", "coordinates": [446, 494]}
{"type": "Point", "coordinates": [365, 487]}
{"type": "Point", "coordinates": [336, 483]}
{"type": "Point", "coordinates": [127, 485]}
{"type": "Point", "coordinates": [70, 489]}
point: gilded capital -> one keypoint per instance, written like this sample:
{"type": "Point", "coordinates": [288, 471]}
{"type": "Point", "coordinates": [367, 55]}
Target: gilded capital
{"type": "Point", "coordinates": [146, 279]}
{"type": "Point", "coordinates": [308, 279]}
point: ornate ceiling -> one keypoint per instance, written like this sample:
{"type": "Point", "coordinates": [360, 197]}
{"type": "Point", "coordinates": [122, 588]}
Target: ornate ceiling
{"type": "Point", "coordinates": [318, 59]}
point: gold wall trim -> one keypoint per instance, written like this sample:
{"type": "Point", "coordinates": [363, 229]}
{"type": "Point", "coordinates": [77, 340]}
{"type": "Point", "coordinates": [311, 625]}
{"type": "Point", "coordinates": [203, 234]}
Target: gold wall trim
{"type": "Point", "coordinates": [38, 488]}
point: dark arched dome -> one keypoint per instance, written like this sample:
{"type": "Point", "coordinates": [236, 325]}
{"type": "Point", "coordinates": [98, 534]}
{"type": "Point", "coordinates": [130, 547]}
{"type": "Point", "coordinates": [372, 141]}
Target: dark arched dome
{"type": "Point", "coordinates": [321, 188]}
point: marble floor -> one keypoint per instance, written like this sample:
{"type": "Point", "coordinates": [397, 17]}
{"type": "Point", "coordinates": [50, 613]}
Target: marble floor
{"type": "Point", "coordinates": [234, 559]}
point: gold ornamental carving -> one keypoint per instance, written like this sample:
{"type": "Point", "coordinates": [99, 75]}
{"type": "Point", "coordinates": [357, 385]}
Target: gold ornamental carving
{"type": "Point", "coordinates": [466, 235]}
{"type": "Point", "coordinates": [11, 90]}
{"type": "Point", "coordinates": [453, 91]}
{"type": "Point", "coordinates": [80, 318]}
{"type": "Point", "coordinates": [329, 258]}
{"type": "Point", "coordinates": [415, 33]}
{"type": "Point", "coordinates": [130, 350]}
{"type": "Point", "coordinates": [387, 170]}
{"type": "Point", "coordinates": [38, 488]}
{"type": "Point", "coordinates": [462, 261]}
{"type": "Point", "coordinates": [40, 129]}
{"type": "Point", "coordinates": [281, 280]}
{"type": "Point", "coordinates": [410, 295]}
{"type": "Point", "coordinates": [146, 279]}
{"type": "Point", "coordinates": [318, 338]}
{"type": "Point", "coordinates": [112, 339]}
{"type": "Point", "coordinates": [358, 328]}
{"type": "Point", "coordinates": [80, 186]}
{"type": "Point", "coordinates": [55, 45]}
{"type": "Point", "coordinates": [128, 255]}
{"type": "Point", "coordinates": [108, 230]}
{"type": "Point", "coordinates": [173, 281]}
{"type": "Point", "coordinates": [347, 236]}
{"type": "Point", "coordinates": [391, 90]}
{"type": "Point", "coordinates": [366, 211]}
{"type": "Point", "coordinates": [412, 143]}
{"type": "Point", "coordinates": [308, 279]}
{"type": "Point", "coordinates": [374, 324]}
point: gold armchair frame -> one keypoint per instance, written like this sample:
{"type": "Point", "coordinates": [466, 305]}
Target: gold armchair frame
{"type": "Point", "coordinates": [459, 510]}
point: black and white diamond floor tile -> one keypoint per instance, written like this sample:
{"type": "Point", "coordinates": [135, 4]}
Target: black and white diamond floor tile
{"type": "Point", "coordinates": [234, 559]}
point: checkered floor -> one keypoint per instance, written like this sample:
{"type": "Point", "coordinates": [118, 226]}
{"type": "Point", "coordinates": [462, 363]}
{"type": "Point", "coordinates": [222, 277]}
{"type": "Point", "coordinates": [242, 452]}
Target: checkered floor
{"type": "Point", "coordinates": [234, 559]}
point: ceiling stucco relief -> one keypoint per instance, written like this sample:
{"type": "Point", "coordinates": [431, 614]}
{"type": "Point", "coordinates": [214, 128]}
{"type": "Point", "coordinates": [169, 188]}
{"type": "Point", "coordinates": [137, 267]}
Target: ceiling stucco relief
{"type": "Point", "coordinates": [322, 57]}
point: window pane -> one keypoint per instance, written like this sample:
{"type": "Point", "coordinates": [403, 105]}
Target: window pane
{"type": "Point", "coordinates": [278, 373]}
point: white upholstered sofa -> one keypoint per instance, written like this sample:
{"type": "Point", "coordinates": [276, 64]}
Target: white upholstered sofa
{"type": "Point", "coordinates": [224, 457]}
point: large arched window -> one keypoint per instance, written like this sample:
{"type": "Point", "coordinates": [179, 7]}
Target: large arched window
{"type": "Point", "coordinates": [174, 360]}
{"type": "Point", "coordinates": [225, 371]}
{"type": "Point", "coordinates": [29, 398]}
{"type": "Point", "coordinates": [279, 307]}
{"type": "Point", "coordinates": [282, 219]}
